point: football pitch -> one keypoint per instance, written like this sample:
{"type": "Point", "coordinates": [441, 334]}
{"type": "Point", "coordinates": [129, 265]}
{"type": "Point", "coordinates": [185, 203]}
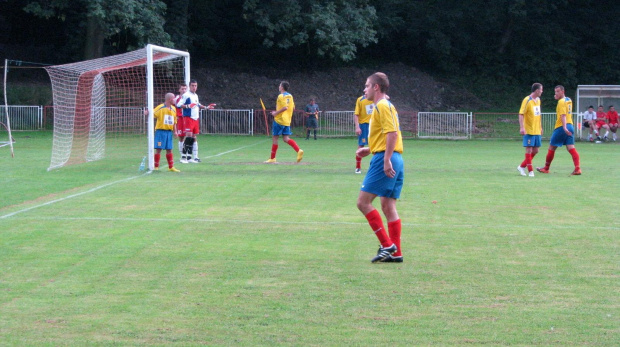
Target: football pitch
{"type": "Point", "coordinates": [232, 251]}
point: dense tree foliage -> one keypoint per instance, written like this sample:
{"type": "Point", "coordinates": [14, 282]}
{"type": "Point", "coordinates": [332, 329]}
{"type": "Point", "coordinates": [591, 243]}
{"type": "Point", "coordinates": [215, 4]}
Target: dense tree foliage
{"type": "Point", "coordinates": [502, 41]}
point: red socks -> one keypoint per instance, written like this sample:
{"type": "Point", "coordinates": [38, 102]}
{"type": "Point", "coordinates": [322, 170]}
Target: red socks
{"type": "Point", "coordinates": [170, 160]}
{"type": "Point", "coordinates": [394, 230]}
{"type": "Point", "coordinates": [528, 161]}
{"type": "Point", "coordinates": [549, 159]}
{"type": "Point", "coordinates": [376, 223]}
{"type": "Point", "coordinates": [575, 155]}
{"type": "Point", "coordinates": [293, 144]}
{"type": "Point", "coordinates": [358, 162]}
{"type": "Point", "coordinates": [157, 157]}
{"type": "Point", "coordinates": [274, 149]}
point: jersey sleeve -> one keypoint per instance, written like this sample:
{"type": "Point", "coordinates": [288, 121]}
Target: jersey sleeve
{"type": "Point", "coordinates": [562, 108]}
{"type": "Point", "coordinates": [523, 108]}
{"type": "Point", "coordinates": [358, 107]}
{"type": "Point", "coordinates": [388, 118]}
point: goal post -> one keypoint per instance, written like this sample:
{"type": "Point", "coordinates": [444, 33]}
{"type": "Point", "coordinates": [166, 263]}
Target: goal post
{"type": "Point", "coordinates": [99, 104]}
{"type": "Point", "coordinates": [593, 95]}
{"type": "Point", "coordinates": [6, 111]}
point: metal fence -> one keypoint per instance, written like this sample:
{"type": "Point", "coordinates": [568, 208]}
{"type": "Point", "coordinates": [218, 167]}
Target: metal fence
{"type": "Point", "coordinates": [487, 125]}
{"type": "Point", "coordinates": [23, 117]}
{"type": "Point", "coordinates": [440, 125]}
{"type": "Point", "coordinates": [444, 125]}
{"type": "Point", "coordinates": [227, 122]}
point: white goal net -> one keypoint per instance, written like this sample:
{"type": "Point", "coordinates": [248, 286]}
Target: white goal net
{"type": "Point", "coordinates": [100, 100]}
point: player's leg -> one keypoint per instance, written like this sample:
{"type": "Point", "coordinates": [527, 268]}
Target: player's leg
{"type": "Point", "coordinates": [364, 204]}
{"type": "Point", "coordinates": [188, 145]}
{"type": "Point", "coordinates": [388, 206]}
{"type": "Point", "coordinates": [606, 127]}
{"type": "Point", "coordinates": [614, 129]}
{"type": "Point", "coordinates": [315, 133]}
{"type": "Point", "coordinates": [196, 131]}
{"type": "Point", "coordinates": [548, 160]}
{"type": "Point", "coordinates": [274, 148]}
{"type": "Point", "coordinates": [157, 157]}
{"type": "Point", "coordinates": [575, 155]}
{"type": "Point", "coordinates": [293, 144]}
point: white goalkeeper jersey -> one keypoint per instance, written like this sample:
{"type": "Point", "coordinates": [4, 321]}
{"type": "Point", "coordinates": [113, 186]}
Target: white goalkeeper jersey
{"type": "Point", "coordinates": [192, 110]}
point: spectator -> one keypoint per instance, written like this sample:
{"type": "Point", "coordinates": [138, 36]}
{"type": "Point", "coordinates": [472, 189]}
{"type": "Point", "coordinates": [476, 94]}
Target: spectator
{"type": "Point", "coordinates": [601, 122]}
{"type": "Point", "coordinates": [612, 123]}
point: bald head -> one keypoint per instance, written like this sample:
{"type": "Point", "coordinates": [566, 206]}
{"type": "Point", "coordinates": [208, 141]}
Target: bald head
{"type": "Point", "coordinates": [169, 99]}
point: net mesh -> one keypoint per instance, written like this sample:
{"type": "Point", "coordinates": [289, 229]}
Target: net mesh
{"type": "Point", "coordinates": [102, 101]}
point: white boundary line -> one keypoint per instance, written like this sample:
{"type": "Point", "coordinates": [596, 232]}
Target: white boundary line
{"type": "Point", "coordinates": [239, 221]}
{"type": "Point", "coordinates": [71, 196]}
{"type": "Point", "coordinates": [107, 185]}
{"type": "Point", "coordinates": [234, 150]}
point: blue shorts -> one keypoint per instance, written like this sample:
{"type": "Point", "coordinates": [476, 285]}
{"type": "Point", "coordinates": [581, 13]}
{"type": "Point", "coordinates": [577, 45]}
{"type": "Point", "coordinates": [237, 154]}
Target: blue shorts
{"type": "Point", "coordinates": [531, 140]}
{"type": "Point", "coordinates": [376, 182]}
{"type": "Point", "coordinates": [559, 137]}
{"type": "Point", "coordinates": [163, 139]}
{"type": "Point", "coordinates": [362, 139]}
{"type": "Point", "coordinates": [278, 129]}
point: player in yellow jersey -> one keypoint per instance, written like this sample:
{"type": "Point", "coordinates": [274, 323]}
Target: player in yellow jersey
{"type": "Point", "coordinates": [363, 111]}
{"type": "Point", "coordinates": [563, 132]}
{"type": "Point", "coordinates": [282, 116]}
{"type": "Point", "coordinates": [530, 124]}
{"type": "Point", "coordinates": [386, 173]}
{"type": "Point", "coordinates": [166, 119]}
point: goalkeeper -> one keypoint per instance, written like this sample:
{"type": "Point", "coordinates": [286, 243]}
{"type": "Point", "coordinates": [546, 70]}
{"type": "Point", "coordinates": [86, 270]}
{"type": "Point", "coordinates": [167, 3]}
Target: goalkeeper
{"type": "Point", "coordinates": [191, 114]}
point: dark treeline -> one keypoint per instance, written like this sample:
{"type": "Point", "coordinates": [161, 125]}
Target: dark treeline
{"type": "Point", "coordinates": [498, 41]}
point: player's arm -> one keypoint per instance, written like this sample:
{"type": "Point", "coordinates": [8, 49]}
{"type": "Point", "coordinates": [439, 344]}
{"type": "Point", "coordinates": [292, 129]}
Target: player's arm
{"type": "Point", "coordinates": [390, 144]}
{"type": "Point", "coordinates": [277, 112]}
{"type": "Point", "coordinates": [521, 125]}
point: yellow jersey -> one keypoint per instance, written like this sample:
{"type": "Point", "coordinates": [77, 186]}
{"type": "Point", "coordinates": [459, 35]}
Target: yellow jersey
{"type": "Point", "coordinates": [565, 106]}
{"type": "Point", "coordinates": [384, 120]}
{"type": "Point", "coordinates": [166, 117]}
{"type": "Point", "coordinates": [285, 100]}
{"type": "Point", "coordinates": [530, 109]}
{"type": "Point", "coordinates": [363, 109]}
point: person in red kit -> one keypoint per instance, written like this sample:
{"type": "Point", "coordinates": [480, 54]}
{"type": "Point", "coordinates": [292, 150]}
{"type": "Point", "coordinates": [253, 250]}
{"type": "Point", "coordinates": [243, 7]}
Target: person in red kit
{"type": "Point", "coordinates": [612, 123]}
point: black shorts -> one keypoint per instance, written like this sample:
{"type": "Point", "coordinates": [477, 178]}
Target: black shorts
{"type": "Point", "coordinates": [312, 123]}
{"type": "Point", "coordinates": [586, 124]}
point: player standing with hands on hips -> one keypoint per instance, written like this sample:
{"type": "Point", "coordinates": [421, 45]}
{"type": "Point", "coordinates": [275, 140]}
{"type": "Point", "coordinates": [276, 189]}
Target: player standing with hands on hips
{"type": "Point", "coordinates": [563, 132]}
{"type": "Point", "coordinates": [285, 105]}
{"type": "Point", "coordinates": [386, 173]}
{"type": "Point", "coordinates": [166, 119]}
{"type": "Point", "coordinates": [530, 124]}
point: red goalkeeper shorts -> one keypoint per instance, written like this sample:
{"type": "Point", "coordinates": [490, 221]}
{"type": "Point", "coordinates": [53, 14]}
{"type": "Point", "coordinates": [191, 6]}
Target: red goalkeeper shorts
{"type": "Point", "coordinates": [191, 125]}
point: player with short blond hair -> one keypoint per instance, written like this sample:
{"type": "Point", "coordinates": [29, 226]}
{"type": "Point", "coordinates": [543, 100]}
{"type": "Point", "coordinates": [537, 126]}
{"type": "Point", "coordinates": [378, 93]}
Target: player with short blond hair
{"type": "Point", "coordinates": [386, 173]}
{"type": "Point", "coordinates": [563, 131]}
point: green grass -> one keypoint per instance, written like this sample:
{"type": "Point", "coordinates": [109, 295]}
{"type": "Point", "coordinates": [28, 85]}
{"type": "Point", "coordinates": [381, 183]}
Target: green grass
{"type": "Point", "coordinates": [235, 252]}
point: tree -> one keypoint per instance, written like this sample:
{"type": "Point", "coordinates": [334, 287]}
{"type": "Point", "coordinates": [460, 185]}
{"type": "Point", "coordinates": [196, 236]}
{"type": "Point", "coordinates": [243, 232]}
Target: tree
{"type": "Point", "coordinates": [125, 24]}
{"type": "Point", "coordinates": [331, 29]}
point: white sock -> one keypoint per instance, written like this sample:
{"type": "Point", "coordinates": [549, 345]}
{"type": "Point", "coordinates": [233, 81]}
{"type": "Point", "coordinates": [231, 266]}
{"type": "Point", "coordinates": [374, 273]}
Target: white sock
{"type": "Point", "coordinates": [181, 147]}
{"type": "Point", "coordinates": [606, 133]}
{"type": "Point", "coordinates": [195, 149]}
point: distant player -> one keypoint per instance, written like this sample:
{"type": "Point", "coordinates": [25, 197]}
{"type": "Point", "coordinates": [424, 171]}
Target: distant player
{"type": "Point", "coordinates": [386, 173]}
{"type": "Point", "coordinates": [285, 105]}
{"type": "Point", "coordinates": [191, 114]}
{"type": "Point", "coordinates": [363, 110]}
{"type": "Point", "coordinates": [589, 121]}
{"type": "Point", "coordinates": [165, 126]}
{"type": "Point", "coordinates": [563, 132]}
{"type": "Point", "coordinates": [601, 122]}
{"type": "Point", "coordinates": [530, 125]}
{"type": "Point", "coordinates": [180, 128]}
{"type": "Point", "coordinates": [612, 123]}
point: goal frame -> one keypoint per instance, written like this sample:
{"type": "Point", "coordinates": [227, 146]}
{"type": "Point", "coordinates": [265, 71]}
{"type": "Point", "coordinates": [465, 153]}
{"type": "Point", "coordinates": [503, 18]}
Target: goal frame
{"type": "Point", "coordinates": [150, 102]}
{"type": "Point", "coordinates": [598, 92]}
